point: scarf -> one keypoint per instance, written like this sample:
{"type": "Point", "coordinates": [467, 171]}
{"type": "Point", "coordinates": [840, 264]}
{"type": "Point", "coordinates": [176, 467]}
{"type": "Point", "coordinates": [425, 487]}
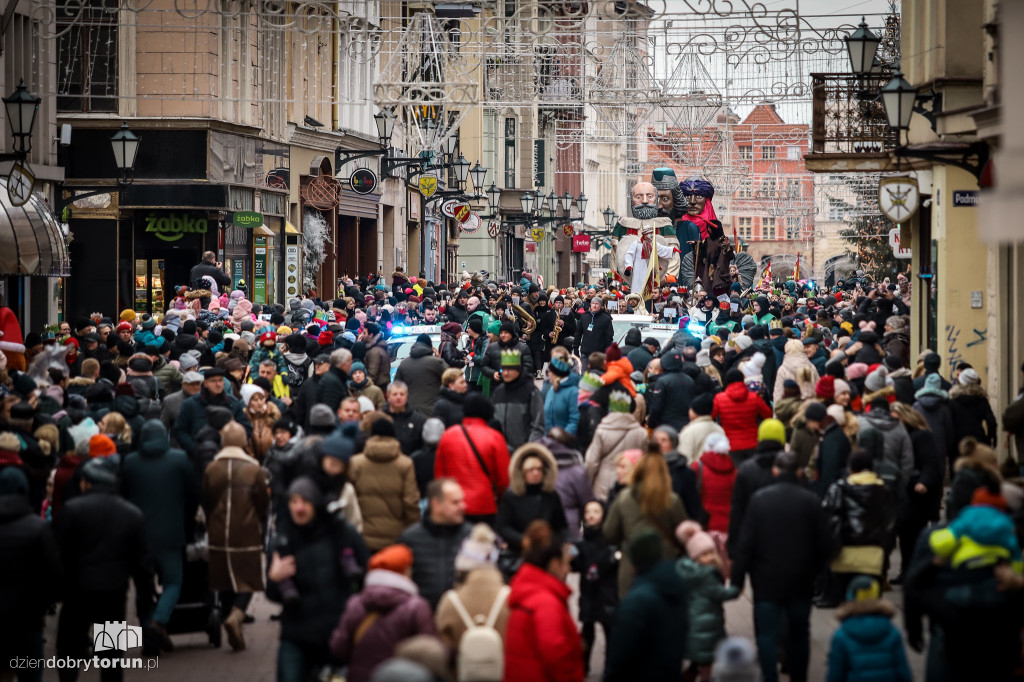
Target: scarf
{"type": "Point", "coordinates": [702, 221]}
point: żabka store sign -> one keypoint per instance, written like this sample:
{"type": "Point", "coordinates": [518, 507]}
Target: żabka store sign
{"type": "Point", "coordinates": [170, 227]}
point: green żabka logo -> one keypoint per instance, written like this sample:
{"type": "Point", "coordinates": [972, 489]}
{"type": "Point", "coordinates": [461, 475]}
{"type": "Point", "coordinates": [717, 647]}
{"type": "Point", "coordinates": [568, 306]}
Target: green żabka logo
{"type": "Point", "coordinates": [171, 228]}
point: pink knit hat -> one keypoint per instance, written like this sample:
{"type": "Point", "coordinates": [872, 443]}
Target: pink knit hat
{"type": "Point", "coordinates": [633, 456]}
{"type": "Point", "coordinates": [696, 541]}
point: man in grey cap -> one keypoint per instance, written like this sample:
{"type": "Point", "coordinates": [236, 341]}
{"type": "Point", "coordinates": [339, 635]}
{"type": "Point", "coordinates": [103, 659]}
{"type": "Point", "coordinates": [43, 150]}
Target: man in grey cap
{"type": "Point", "coordinates": [191, 382]}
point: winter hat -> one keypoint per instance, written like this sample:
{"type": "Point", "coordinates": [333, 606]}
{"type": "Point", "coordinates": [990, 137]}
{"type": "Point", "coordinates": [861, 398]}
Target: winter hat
{"type": "Point", "coordinates": [24, 385]}
{"type": "Point", "coordinates": [826, 387]}
{"type": "Point", "coordinates": [384, 428]}
{"type": "Point", "coordinates": [307, 489]}
{"type": "Point", "coordinates": [771, 429]}
{"type": "Point", "coordinates": [752, 367]}
{"type": "Point", "coordinates": [101, 471]}
{"type": "Point", "coordinates": [742, 342]}
{"type": "Point", "coordinates": [837, 413]}
{"type": "Point", "coordinates": [932, 386]}
{"type": "Point", "coordinates": [704, 358]}
{"type": "Point", "coordinates": [696, 541]}
{"type": "Point", "coordinates": [101, 446]}
{"type": "Point", "coordinates": [969, 377]}
{"type": "Point", "coordinates": [589, 383]}
{"type": "Point", "coordinates": [703, 404]}
{"type": "Point", "coordinates": [9, 442]}
{"type": "Point", "coordinates": [613, 353]}
{"type": "Point", "coordinates": [479, 549]}
{"type": "Point", "coordinates": [83, 431]}
{"type": "Point", "coordinates": [794, 346]}
{"type": "Point", "coordinates": [396, 558]}
{"type": "Point", "coordinates": [863, 588]}
{"type": "Point", "coordinates": [13, 480]}
{"type": "Point", "coordinates": [433, 429]}
{"type": "Point", "coordinates": [932, 361]}
{"type": "Point", "coordinates": [877, 380]}
{"type": "Point", "coordinates": [857, 370]}
{"type": "Point", "coordinates": [892, 362]}
{"type": "Point", "coordinates": [735, 661]}
{"type": "Point", "coordinates": [815, 411]}
{"type": "Point", "coordinates": [325, 338]}
{"type": "Point", "coordinates": [401, 670]}
{"type": "Point", "coordinates": [321, 416]}
{"type": "Point", "coordinates": [187, 361]}
{"type": "Point", "coordinates": [560, 367]}
{"type": "Point", "coordinates": [248, 391]}
{"type": "Point", "coordinates": [840, 387]}
{"type": "Point", "coordinates": [476, 325]}
{"type": "Point", "coordinates": [357, 367]}
{"type": "Point", "coordinates": [632, 456]}
{"type": "Point", "coordinates": [339, 446]}
{"type": "Point", "coordinates": [366, 405]}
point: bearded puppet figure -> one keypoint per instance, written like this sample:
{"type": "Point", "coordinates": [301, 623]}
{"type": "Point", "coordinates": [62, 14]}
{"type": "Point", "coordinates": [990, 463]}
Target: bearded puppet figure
{"type": "Point", "coordinates": [671, 201]}
{"type": "Point", "coordinates": [642, 255]}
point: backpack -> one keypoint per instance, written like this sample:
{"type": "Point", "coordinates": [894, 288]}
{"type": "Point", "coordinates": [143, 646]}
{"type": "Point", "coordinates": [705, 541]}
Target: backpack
{"type": "Point", "coordinates": [481, 650]}
{"type": "Point", "coordinates": [892, 478]}
{"type": "Point", "coordinates": [297, 373]}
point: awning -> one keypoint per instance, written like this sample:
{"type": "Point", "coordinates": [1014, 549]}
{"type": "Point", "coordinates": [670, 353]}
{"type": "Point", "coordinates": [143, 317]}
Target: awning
{"type": "Point", "coordinates": [263, 231]}
{"type": "Point", "coordinates": [32, 242]}
{"type": "Point", "coordinates": [289, 228]}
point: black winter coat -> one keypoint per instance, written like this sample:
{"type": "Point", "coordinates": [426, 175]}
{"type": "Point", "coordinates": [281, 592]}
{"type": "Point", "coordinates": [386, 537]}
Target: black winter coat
{"type": "Point", "coordinates": [408, 429]}
{"type": "Point", "coordinates": [833, 457]}
{"type": "Point", "coordinates": [972, 414]}
{"type": "Point", "coordinates": [599, 577]}
{"type": "Point", "coordinates": [331, 389]}
{"type": "Point", "coordinates": [193, 417]}
{"type": "Point", "coordinates": [752, 475]}
{"type": "Point", "coordinates": [303, 400]}
{"type": "Point", "coordinates": [330, 560]}
{"type": "Point", "coordinates": [669, 397]}
{"type": "Point", "coordinates": [684, 485]}
{"type": "Point", "coordinates": [448, 407]}
{"type": "Point", "coordinates": [433, 550]}
{"type": "Point", "coordinates": [492, 358]}
{"type": "Point", "coordinates": [859, 515]}
{"type": "Point", "coordinates": [30, 572]}
{"type": "Point", "coordinates": [784, 542]}
{"type": "Point", "coordinates": [205, 269]}
{"type": "Point", "coordinates": [596, 339]}
{"type": "Point", "coordinates": [515, 512]}
{"type": "Point", "coordinates": [102, 544]}
{"type": "Point", "coordinates": [640, 358]}
{"type": "Point", "coordinates": [929, 471]}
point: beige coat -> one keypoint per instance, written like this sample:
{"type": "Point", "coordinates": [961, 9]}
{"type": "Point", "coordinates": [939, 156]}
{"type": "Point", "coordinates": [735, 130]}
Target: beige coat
{"type": "Point", "coordinates": [797, 367]}
{"type": "Point", "coordinates": [618, 431]}
{"type": "Point", "coordinates": [385, 484]}
{"type": "Point", "coordinates": [235, 501]}
{"type": "Point", "coordinates": [693, 435]}
{"type": "Point", "coordinates": [477, 594]}
{"type": "Point", "coordinates": [626, 520]}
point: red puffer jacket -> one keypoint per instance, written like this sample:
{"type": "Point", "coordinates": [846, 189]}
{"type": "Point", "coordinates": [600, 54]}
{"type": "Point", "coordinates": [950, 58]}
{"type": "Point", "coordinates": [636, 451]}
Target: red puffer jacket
{"type": "Point", "coordinates": [715, 475]}
{"type": "Point", "coordinates": [542, 643]}
{"type": "Point", "coordinates": [737, 410]}
{"type": "Point", "coordinates": [455, 459]}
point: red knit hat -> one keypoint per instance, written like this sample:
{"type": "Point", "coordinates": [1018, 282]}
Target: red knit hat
{"type": "Point", "coordinates": [986, 497]}
{"type": "Point", "coordinates": [396, 558]}
{"type": "Point", "coordinates": [268, 335]}
{"type": "Point", "coordinates": [826, 387]}
{"type": "Point", "coordinates": [101, 446]}
{"type": "Point", "coordinates": [124, 326]}
{"type": "Point", "coordinates": [613, 353]}
{"type": "Point", "coordinates": [326, 338]}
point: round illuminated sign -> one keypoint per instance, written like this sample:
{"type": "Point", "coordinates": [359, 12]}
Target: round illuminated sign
{"type": "Point", "coordinates": [363, 181]}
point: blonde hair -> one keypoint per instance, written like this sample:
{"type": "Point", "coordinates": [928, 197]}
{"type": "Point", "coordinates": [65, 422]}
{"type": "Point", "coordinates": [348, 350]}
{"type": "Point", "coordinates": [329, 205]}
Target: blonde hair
{"type": "Point", "coordinates": [652, 482]}
{"type": "Point", "coordinates": [113, 424]}
{"type": "Point", "coordinates": [910, 416]}
{"type": "Point", "coordinates": [450, 376]}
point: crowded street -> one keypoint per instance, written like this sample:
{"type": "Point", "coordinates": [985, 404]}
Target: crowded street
{"type": "Point", "coordinates": [511, 341]}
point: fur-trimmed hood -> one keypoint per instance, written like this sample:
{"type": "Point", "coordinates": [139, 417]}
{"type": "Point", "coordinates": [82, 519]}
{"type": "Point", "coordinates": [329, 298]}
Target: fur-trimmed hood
{"type": "Point", "coordinates": [865, 607]}
{"type": "Point", "coordinates": [978, 465]}
{"type": "Point", "coordinates": [968, 390]}
{"type": "Point", "coordinates": [885, 392]}
{"type": "Point", "coordinates": [515, 473]}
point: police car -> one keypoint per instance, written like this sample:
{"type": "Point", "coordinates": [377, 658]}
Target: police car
{"type": "Point", "coordinates": [402, 339]}
{"type": "Point", "coordinates": [623, 323]}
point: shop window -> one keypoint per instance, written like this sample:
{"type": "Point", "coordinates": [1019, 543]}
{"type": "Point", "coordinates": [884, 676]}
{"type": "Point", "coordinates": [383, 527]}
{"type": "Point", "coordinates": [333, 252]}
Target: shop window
{"type": "Point", "coordinates": [87, 38]}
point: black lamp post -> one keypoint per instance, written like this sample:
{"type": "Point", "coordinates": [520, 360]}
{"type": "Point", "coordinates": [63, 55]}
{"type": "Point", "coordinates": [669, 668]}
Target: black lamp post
{"type": "Point", "coordinates": [385, 121]}
{"type": "Point", "coordinates": [581, 202]}
{"type": "Point", "coordinates": [493, 196]}
{"type": "Point", "coordinates": [479, 175]}
{"type": "Point", "coordinates": [861, 46]}
{"type": "Point", "coordinates": [21, 116]}
{"type": "Point", "coordinates": [898, 98]}
{"type": "Point", "coordinates": [526, 202]}
{"type": "Point", "coordinates": [566, 202]}
{"type": "Point", "coordinates": [609, 217]}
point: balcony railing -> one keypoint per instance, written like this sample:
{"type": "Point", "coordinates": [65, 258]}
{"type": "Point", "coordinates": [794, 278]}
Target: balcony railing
{"type": "Point", "coordinates": [848, 118]}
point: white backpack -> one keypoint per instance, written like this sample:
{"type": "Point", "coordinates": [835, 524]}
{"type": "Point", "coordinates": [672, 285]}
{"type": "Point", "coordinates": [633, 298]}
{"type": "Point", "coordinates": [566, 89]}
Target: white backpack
{"type": "Point", "coordinates": [481, 649]}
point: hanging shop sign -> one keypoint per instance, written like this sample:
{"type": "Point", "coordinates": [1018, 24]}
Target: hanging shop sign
{"type": "Point", "coordinates": [473, 224]}
{"type": "Point", "coordinates": [581, 243]}
{"type": "Point", "coordinates": [428, 185]}
{"type": "Point", "coordinates": [462, 212]}
{"type": "Point", "coordinates": [246, 218]}
{"type": "Point", "coordinates": [537, 234]}
{"type": "Point", "coordinates": [20, 184]}
{"type": "Point", "coordinates": [259, 270]}
{"type": "Point", "coordinates": [291, 269]}
{"type": "Point", "coordinates": [567, 229]}
{"type": "Point", "coordinates": [363, 181]}
{"type": "Point", "coordinates": [493, 230]}
{"type": "Point", "coordinates": [898, 250]}
{"type": "Point", "coordinates": [898, 197]}
{"type": "Point", "coordinates": [170, 227]}
{"type": "Point", "coordinates": [448, 208]}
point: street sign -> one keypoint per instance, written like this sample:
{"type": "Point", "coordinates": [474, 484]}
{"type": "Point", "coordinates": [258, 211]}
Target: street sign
{"type": "Point", "coordinates": [363, 181]}
{"type": "Point", "coordinates": [493, 230]}
{"type": "Point", "coordinates": [428, 185]}
{"type": "Point", "coordinates": [448, 208]}
{"type": "Point", "coordinates": [965, 197]}
{"type": "Point", "coordinates": [537, 234]}
{"type": "Point", "coordinates": [462, 212]}
{"type": "Point", "coordinates": [471, 225]}
{"type": "Point", "coordinates": [894, 241]}
{"type": "Point", "coordinates": [19, 184]}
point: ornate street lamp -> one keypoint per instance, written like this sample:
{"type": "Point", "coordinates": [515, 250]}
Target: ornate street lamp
{"type": "Point", "coordinates": [526, 202]}
{"type": "Point", "coordinates": [609, 217]}
{"type": "Point", "coordinates": [461, 170]}
{"type": "Point", "coordinates": [450, 143]}
{"type": "Point", "coordinates": [21, 115]}
{"type": "Point", "coordinates": [898, 98]}
{"type": "Point", "coordinates": [385, 121]}
{"type": "Point", "coordinates": [126, 145]}
{"type": "Point", "coordinates": [552, 202]}
{"type": "Point", "coordinates": [493, 195]}
{"type": "Point", "coordinates": [581, 202]}
{"type": "Point", "coordinates": [861, 46]}
{"type": "Point", "coordinates": [566, 202]}
{"type": "Point", "coordinates": [479, 175]}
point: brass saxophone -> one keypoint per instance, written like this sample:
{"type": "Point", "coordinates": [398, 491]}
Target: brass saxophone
{"type": "Point", "coordinates": [559, 323]}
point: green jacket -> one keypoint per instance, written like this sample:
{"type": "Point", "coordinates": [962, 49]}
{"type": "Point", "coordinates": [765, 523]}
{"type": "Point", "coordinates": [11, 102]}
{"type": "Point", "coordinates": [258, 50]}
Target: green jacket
{"type": "Point", "coordinates": [706, 592]}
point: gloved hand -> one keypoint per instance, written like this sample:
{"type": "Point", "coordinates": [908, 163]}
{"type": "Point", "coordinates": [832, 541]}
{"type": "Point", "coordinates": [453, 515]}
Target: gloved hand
{"type": "Point", "coordinates": [628, 272]}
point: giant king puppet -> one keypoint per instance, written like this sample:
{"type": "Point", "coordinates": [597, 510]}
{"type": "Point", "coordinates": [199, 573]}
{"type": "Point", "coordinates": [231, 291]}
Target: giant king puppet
{"type": "Point", "coordinates": [646, 252]}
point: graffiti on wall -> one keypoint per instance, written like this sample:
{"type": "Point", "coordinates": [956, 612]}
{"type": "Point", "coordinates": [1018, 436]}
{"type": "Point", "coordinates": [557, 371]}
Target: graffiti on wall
{"type": "Point", "coordinates": [953, 343]}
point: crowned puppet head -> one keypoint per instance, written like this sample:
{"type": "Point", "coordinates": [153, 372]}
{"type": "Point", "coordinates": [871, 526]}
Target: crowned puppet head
{"type": "Point", "coordinates": [645, 201]}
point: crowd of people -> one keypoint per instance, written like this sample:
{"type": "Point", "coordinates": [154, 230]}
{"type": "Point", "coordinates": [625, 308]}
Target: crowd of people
{"type": "Point", "coordinates": [422, 522]}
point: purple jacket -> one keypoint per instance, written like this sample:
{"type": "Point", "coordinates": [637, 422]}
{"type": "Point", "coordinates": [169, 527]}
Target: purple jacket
{"type": "Point", "coordinates": [573, 486]}
{"type": "Point", "coordinates": [403, 614]}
